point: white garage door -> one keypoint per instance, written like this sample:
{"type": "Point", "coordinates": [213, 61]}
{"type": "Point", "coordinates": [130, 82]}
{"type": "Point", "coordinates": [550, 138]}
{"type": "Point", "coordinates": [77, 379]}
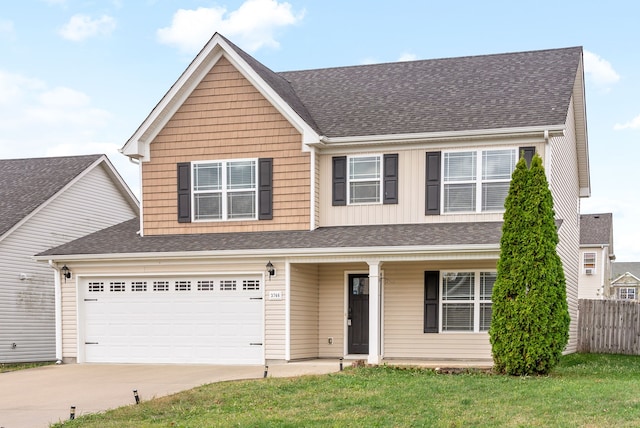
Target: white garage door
{"type": "Point", "coordinates": [214, 320]}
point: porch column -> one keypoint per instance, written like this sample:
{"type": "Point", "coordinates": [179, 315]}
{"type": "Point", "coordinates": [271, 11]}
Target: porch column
{"type": "Point", "coordinates": [374, 312]}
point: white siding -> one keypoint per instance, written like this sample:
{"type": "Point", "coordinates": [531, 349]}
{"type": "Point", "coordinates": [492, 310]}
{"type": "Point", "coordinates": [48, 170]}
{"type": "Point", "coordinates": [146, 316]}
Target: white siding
{"type": "Point", "coordinates": [593, 286]}
{"type": "Point", "coordinates": [27, 306]}
{"type": "Point", "coordinates": [563, 173]}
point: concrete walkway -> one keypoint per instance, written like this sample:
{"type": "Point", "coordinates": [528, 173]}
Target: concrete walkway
{"type": "Point", "coordinates": [37, 397]}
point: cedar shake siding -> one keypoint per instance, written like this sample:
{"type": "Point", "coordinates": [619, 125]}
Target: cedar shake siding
{"type": "Point", "coordinates": [226, 118]}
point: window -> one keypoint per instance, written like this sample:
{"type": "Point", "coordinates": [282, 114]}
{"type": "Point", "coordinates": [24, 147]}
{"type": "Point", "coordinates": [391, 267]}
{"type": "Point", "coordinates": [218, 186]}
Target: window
{"type": "Point", "coordinates": [466, 301]}
{"type": "Point", "coordinates": [476, 181]}
{"type": "Point", "coordinates": [365, 180]}
{"type": "Point", "coordinates": [589, 263]}
{"type": "Point", "coordinates": [369, 179]}
{"type": "Point", "coordinates": [225, 190]}
{"type": "Point", "coordinates": [627, 293]}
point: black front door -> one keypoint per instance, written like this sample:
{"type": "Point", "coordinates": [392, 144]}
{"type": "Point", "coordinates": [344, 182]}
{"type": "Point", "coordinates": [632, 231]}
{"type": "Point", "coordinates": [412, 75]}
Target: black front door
{"type": "Point", "coordinates": [358, 316]}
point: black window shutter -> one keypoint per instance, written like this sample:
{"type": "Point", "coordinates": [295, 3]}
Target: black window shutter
{"type": "Point", "coordinates": [527, 153]}
{"type": "Point", "coordinates": [184, 192]}
{"type": "Point", "coordinates": [339, 193]}
{"type": "Point", "coordinates": [390, 181]}
{"type": "Point", "coordinates": [431, 287]}
{"type": "Point", "coordinates": [265, 189]}
{"type": "Point", "coordinates": [432, 186]}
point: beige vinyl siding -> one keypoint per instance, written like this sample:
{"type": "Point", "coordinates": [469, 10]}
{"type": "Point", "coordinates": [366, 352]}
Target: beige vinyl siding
{"type": "Point", "coordinates": [225, 117]}
{"type": "Point", "coordinates": [411, 190]}
{"type": "Point", "coordinates": [589, 285]}
{"type": "Point", "coordinates": [304, 311]}
{"type": "Point", "coordinates": [27, 312]}
{"type": "Point", "coordinates": [565, 188]}
{"type": "Point", "coordinates": [332, 316]}
{"type": "Point", "coordinates": [274, 310]}
{"type": "Point", "coordinates": [404, 335]}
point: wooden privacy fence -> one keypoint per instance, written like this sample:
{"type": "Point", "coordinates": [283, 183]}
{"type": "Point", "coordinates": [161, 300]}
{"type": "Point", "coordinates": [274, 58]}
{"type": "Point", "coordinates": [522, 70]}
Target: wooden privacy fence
{"type": "Point", "coordinates": [609, 327]}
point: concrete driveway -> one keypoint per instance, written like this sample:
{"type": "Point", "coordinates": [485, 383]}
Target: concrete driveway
{"type": "Point", "coordinates": [37, 397]}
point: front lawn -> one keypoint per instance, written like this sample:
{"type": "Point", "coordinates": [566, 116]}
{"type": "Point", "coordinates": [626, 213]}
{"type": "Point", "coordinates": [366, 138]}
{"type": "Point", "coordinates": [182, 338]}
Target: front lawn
{"type": "Point", "coordinates": [11, 367]}
{"type": "Point", "coordinates": [584, 390]}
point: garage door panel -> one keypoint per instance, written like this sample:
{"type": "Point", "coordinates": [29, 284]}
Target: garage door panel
{"type": "Point", "coordinates": [189, 321]}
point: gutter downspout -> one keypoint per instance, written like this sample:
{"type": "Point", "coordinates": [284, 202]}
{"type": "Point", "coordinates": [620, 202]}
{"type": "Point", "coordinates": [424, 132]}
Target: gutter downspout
{"type": "Point", "coordinates": [138, 162]}
{"type": "Point", "coordinates": [58, 310]}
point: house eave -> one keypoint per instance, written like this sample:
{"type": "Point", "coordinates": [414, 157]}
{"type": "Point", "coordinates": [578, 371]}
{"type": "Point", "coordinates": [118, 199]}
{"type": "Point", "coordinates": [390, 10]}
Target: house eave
{"type": "Point", "coordinates": [482, 251]}
{"type": "Point", "coordinates": [543, 132]}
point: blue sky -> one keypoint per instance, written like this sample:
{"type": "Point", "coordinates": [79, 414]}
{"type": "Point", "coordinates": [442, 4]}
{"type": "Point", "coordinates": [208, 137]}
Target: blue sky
{"type": "Point", "coordinates": [79, 76]}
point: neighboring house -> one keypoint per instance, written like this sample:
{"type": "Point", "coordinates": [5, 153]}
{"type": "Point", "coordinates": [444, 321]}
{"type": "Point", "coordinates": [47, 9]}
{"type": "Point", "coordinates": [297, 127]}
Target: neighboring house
{"type": "Point", "coordinates": [596, 255]}
{"type": "Point", "coordinates": [625, 281]}
{"type": "Point", "coordinates": [45, 202]}
{"type": "Point", "coordinates": [344, 212]}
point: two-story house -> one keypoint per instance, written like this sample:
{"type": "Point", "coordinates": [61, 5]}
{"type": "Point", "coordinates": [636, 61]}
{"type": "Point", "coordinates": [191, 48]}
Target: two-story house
{"type": "Point", "coordinates": [341, 212]}
{"type": "Point", "coordinates": [596, 256]}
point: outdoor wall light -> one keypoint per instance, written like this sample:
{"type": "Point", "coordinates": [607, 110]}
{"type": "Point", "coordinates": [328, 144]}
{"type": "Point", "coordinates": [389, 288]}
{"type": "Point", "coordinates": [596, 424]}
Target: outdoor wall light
{"type": "Point", "coordinates": [271, 270]}
{"type": "Point", "coordinates": [65, 272]}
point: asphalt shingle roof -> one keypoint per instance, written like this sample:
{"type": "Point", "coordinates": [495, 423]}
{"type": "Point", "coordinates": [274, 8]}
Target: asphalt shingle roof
{"type": "Point", "coordinates": [597, 229]}
{"type": "Point", "coordinates": [122, 239]}
{"type": "Point", "coordinates": [438, 95]}
{"type": "Point", "coordinates": [25, 184]}
{"type": "Point", "coordinates": [620, 268]}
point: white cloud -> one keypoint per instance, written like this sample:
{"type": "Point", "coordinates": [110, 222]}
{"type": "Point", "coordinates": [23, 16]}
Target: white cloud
{"type": "Point", "coordinates": [81, 27]}
{"type": "Point", "coordinates": [252, 25]}
{"type": "Point", "coordinates": [34, 117]}
{"type": "Point", "coordinates": [599, 70]}
{"type": "Point", "coordinates": [6, 27]}
{"type": "Point", "coordinates": [632, 124]}
{"type": "Point", "coordinates": [406, 56]}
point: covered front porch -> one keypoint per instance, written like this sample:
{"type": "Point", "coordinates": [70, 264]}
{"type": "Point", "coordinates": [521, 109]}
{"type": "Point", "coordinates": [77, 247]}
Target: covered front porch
{"type": "Point", "coordinates": [379, 310]}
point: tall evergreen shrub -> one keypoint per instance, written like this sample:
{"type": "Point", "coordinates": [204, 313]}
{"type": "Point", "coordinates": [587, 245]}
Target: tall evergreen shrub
{"type": "Point", "coordinates": [530, 316]}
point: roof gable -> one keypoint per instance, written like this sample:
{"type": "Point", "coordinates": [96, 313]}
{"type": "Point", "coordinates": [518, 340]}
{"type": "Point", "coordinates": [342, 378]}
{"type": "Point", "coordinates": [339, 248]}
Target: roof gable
{"type": "Point", "coordinates": [270, 85]}
{"type": "Point", "coordinates": [26, 185]}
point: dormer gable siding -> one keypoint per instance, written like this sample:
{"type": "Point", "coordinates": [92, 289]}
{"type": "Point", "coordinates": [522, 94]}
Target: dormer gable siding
{"type": "Point", "coordinates": [226, 118]}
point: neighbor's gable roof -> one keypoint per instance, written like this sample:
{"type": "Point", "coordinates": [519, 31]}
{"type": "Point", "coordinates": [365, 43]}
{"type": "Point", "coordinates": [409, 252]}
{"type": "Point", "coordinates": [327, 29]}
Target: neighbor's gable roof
{"type": "Point", "coordinates": [618, 269]}
{"type": "Point", "coordinates": [524, 90]}
{"type": "Point", "coordinates": [28, 184]}
{"type": "Point", "coordinates": [596, 230]}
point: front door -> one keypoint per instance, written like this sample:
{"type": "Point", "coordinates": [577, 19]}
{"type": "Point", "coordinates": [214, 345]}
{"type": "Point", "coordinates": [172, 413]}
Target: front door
{"type": "Point", "coordinates": [358, 315]}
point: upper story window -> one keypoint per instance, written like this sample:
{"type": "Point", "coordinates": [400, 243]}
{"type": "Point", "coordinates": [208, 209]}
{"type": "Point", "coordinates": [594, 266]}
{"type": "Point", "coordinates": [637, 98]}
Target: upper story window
{"type": "Point", "coordinates": [476, 181]}
{"type": "Point", "coordinates": [589, 263]}
{"type": "Point", "coordinates": [366, 179]}
{"type": "Point", "coordinates": [224, 190]}
{"type": "Point", "coordinates": [237, 189]}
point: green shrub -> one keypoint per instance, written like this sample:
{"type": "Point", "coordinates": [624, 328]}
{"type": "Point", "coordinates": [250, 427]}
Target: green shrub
{"type": "Point", "coordinates": [530, 318]}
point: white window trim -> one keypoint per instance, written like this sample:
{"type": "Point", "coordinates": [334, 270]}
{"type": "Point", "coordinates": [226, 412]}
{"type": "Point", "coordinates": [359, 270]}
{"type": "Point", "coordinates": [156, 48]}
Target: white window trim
{"type": "Point", "coordinates": [584, 263]}
{"type": "Point", "coordinates": [380, 179]}
{"type": "Point", "coordinates": [224, 191]}
{"type": "Point", "coordinates": [626, 289]}
{"type": "Point", "coordinates": [476, 301]}
{"type": "Point", "coordinates": [478, 180]}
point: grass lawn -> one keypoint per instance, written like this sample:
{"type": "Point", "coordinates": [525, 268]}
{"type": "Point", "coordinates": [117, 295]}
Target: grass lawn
{"type": "Point", "coordinates": [585, 390]}
{"type": "Point", "coordinates": [10, 367]}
